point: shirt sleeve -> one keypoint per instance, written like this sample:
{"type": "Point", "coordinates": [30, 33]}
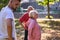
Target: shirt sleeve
{"type": "Point", "coordinates": [9, 15]}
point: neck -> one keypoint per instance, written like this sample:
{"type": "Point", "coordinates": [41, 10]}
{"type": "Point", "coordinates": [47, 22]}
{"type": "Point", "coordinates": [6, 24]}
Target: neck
{"type": "Point", "coordinates": [10, 7]}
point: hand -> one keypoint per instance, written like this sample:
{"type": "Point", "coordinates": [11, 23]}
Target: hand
{"type": "Point", "coordinates": [10, 38]}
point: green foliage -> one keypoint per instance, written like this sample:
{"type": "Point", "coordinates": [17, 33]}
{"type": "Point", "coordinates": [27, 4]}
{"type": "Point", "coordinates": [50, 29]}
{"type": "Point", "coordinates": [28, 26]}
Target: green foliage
{"type": "Point", "coordinates": [3, 3]}
{"type": "Point", "coordinates": [44, 2]}
{"type": "Point", "coordinates": [51, 17]}
{"type": "Point", "coordinates": [17, 23]}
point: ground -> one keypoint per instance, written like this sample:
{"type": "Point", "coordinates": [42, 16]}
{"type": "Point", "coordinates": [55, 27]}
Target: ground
{"type": "Point", "coordinates": [50, 30]}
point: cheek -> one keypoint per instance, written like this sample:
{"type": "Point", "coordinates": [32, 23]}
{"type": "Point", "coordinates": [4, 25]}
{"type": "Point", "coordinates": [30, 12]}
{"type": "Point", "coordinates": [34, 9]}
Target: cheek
{"type": "Point", "coordinates": [16, 6]}
{"type": "Point", "coordinates": [13, 6]}
{"type": "Point", "coordinates": [36, 15]}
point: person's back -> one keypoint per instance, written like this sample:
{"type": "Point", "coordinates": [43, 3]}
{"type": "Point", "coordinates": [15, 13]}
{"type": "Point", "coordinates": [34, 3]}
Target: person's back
{"type": "Point", "coordinates": [24, 17]}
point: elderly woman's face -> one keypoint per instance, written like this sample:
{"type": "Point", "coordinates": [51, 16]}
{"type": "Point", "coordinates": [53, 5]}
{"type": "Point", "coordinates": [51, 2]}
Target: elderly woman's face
{"type": "Point", "coordinates": [35, 16]}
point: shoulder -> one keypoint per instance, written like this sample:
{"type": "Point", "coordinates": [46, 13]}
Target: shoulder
{"type": "Point", "coordinates": [32, 20]}
{"type": "Point", "coordinates": [6, 10]}
{"type": "Point", "coordinates": [26, 13]}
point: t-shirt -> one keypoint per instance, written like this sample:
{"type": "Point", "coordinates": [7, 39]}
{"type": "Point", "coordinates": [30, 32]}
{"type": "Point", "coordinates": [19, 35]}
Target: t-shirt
{"type": "Point", "coordinates": [6, 13]}
{"type": "Point", "coordinates": [24, 18]}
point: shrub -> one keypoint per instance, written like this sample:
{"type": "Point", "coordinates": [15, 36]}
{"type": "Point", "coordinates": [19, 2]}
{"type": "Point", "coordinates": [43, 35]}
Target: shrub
{"type": "Point", "coordinates": [51, 17]}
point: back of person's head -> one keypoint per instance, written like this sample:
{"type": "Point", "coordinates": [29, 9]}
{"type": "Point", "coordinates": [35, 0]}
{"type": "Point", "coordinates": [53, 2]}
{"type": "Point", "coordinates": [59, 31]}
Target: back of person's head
{"type": "Point", "coordinates": [33, 13]}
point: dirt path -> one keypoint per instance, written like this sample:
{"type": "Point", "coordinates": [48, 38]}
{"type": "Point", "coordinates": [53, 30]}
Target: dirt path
{"type": "Point", "coordinates": [47, 34]}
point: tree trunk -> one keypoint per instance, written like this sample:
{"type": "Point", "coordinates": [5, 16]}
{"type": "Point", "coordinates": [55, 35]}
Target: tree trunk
{"type": "Point", "coordinates": [48, 10]}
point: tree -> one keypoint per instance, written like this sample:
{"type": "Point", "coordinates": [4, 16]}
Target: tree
{"type": "Point", "coordinates": [59, 0]}
{"type": "Point", "coordinates": [3, 3]}
{"type": "Point", "coordinates": [46, 3]}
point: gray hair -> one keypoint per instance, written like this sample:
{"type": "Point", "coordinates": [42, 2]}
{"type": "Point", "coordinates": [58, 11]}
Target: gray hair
{"type": "Point", "coordinates": [32, 13]}
{"type": "Point", "coordinates": [30, 7]}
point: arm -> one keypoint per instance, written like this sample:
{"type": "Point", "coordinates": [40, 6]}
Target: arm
{"type": "Point", "coordinates": [9, 18]}
{"type": "Point", "coordinates": [30, 28]}
{"type": "Point", "coordinates": [9, 28]}
{"type": "Point", "coordinates": [21, 19]}
{"type": "Point", "coordinates": [21, 23]}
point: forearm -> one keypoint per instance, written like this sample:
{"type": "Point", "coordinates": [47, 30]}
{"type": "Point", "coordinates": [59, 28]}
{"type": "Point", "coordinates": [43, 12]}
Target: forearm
{"type": "Point", "coordinates": [21, 24]}
{"type": "Point", "coordinates": [9, 32]}
{"type": "Point", "coordinates": [9, 28]}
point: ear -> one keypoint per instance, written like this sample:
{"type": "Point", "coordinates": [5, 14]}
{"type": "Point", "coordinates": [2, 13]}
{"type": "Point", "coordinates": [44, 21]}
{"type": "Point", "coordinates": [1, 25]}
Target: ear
{"type": "Point", "coordinates": [11, 1]}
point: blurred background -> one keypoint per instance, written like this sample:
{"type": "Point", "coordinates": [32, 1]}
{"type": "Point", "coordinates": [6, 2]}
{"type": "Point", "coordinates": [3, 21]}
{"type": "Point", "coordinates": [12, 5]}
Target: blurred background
{"type": "Point", "coordinates": [49, 17]}
{"type": "Point", "coordinates": [46, 8]}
